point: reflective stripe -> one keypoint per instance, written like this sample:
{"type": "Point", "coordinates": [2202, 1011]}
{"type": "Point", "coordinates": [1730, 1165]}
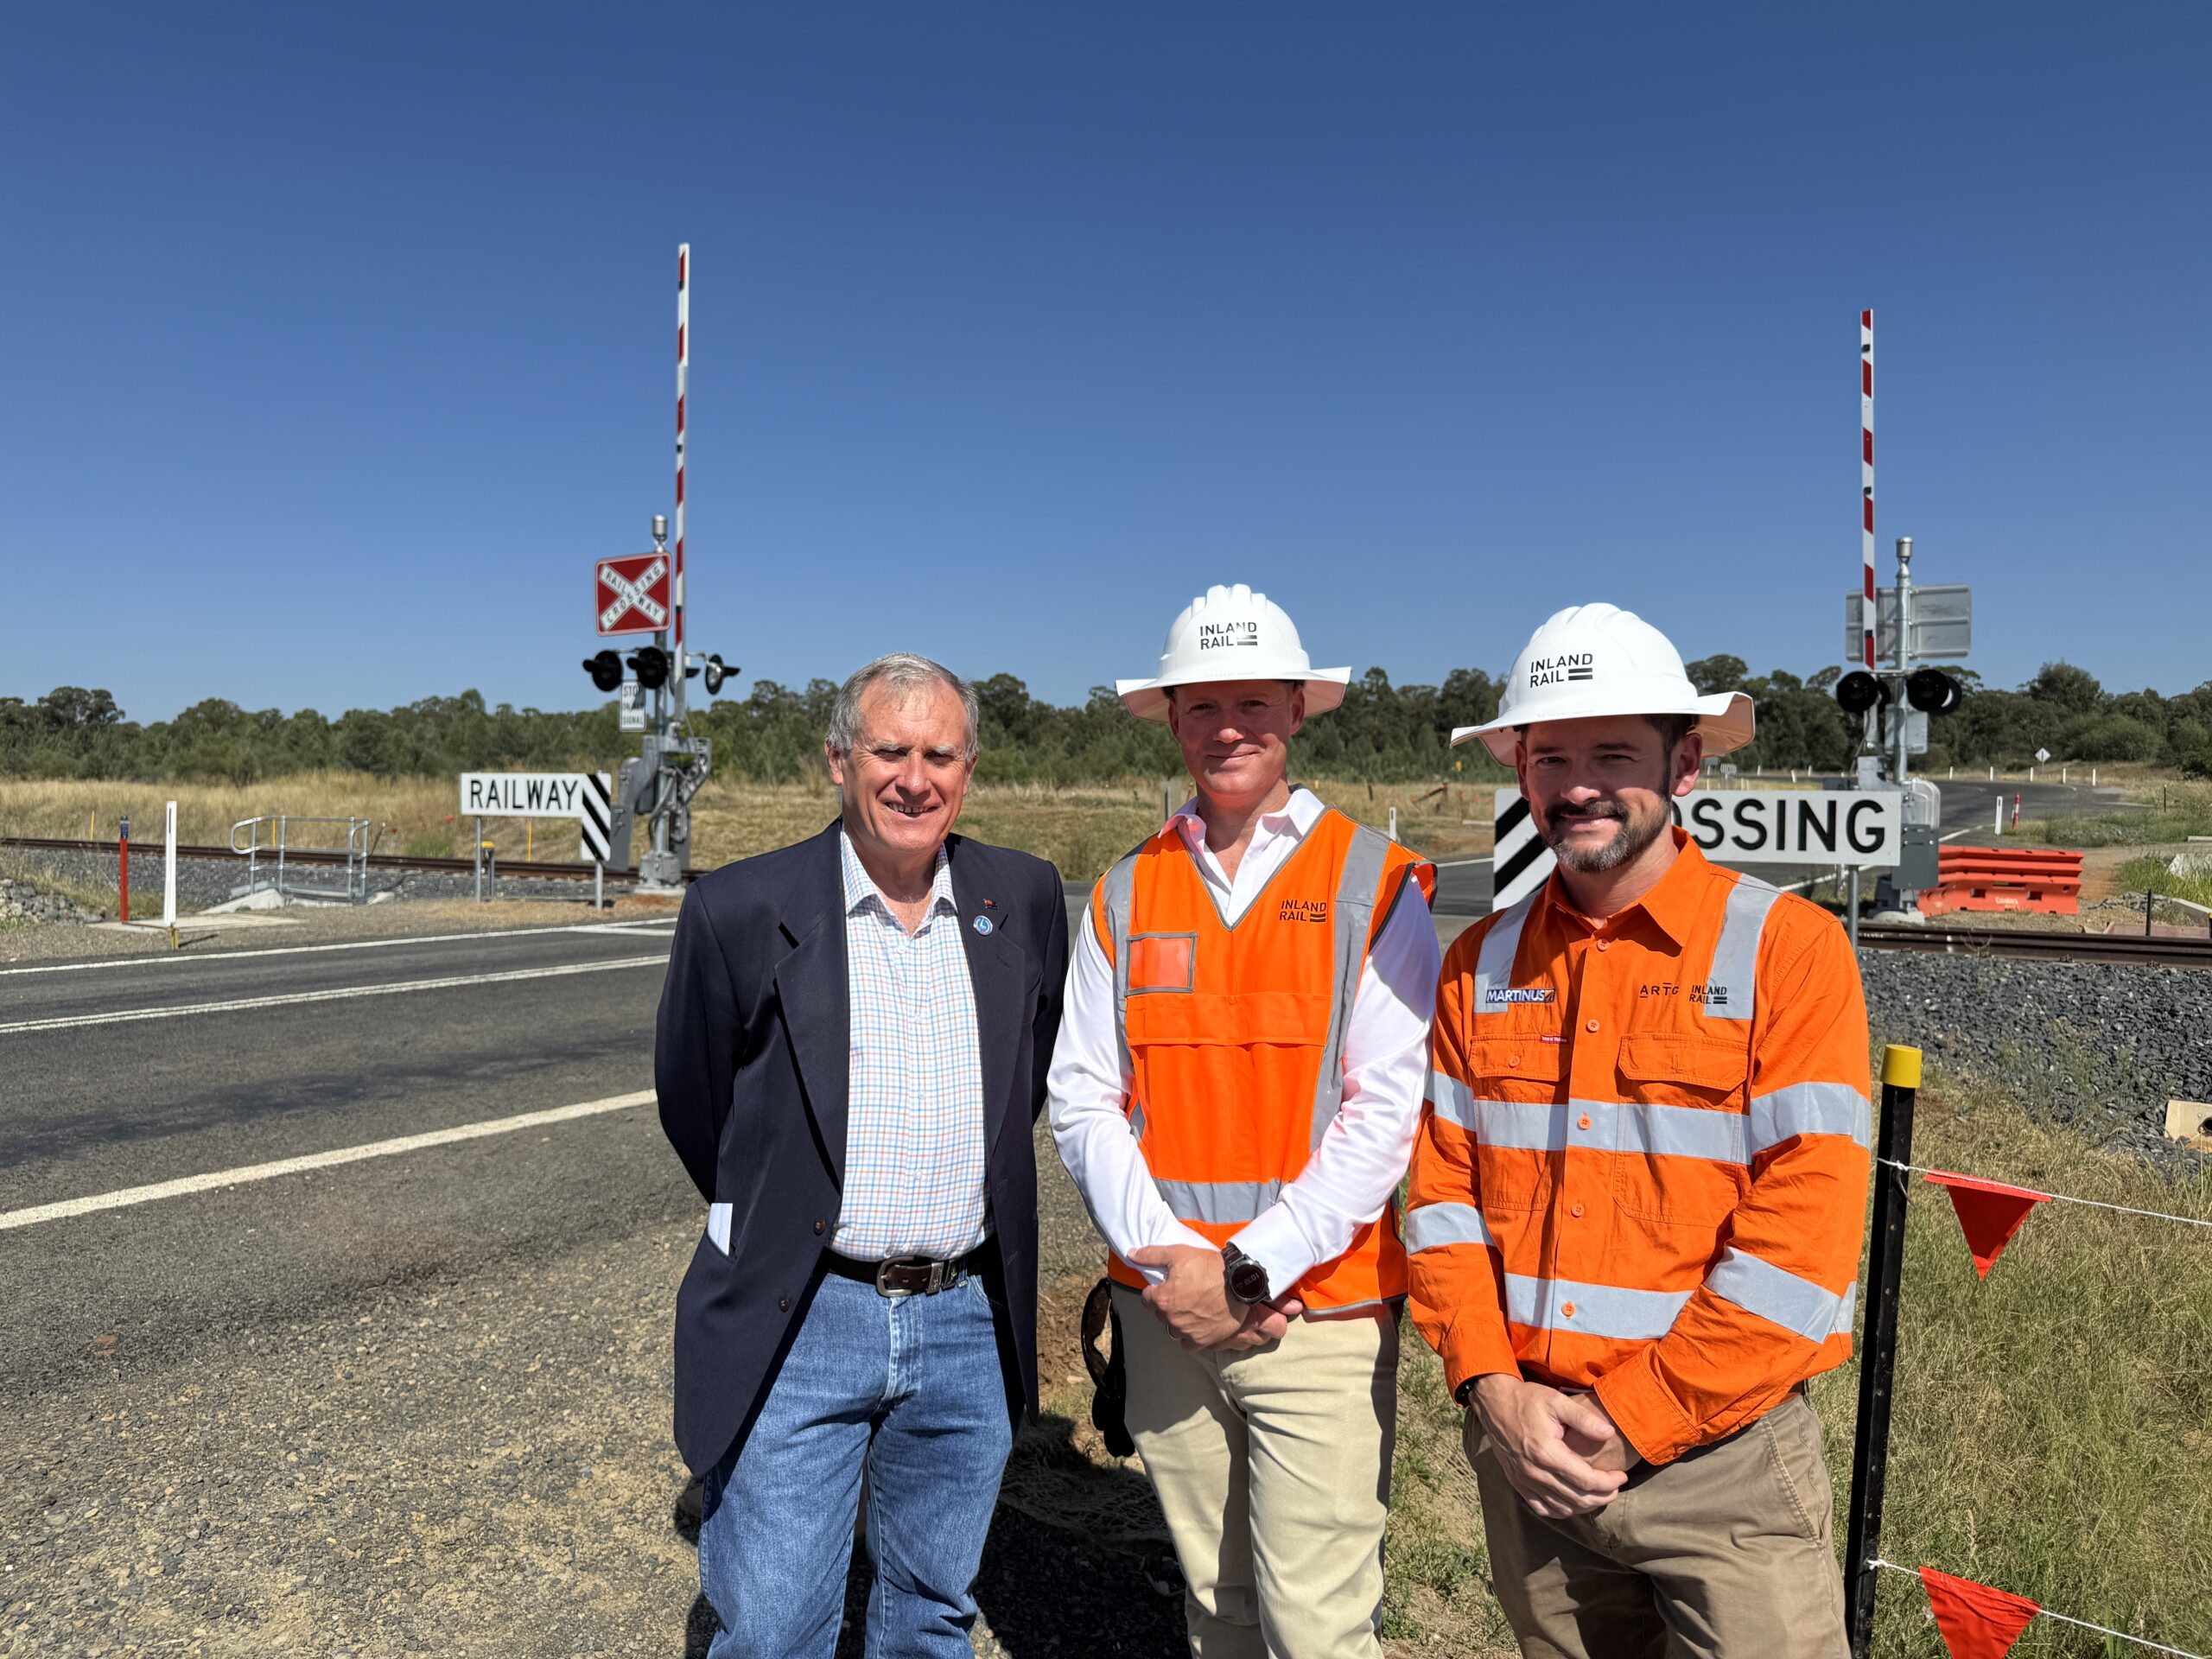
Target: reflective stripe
{"type": "Point", "coordinates": [1659, 1131]}
{"type": "Point", "coordinates": [1609, 1310]}
{"type": "Point", "coordinates": [1494, 963]}
{"type": "Point", "coordinates": [1729, 983]}
{"type": "Point", "coordinates": [1798, 1306]}
{"type": "Point", "coordinates": [1435, 1225]}
{"type": "Point", "coordinates": [1117, 890]}
{"type": "Point", "coordinates": [1219, 1202]}
{"type": "Point", "coordinates": [1809, 1108]}
{"type": "Point", "coordinates": [1349, 918]}
{"type": "Point", "coordinates": [1136, 1119]}
{"type": "Point", "coordinates": [1453, 1100]}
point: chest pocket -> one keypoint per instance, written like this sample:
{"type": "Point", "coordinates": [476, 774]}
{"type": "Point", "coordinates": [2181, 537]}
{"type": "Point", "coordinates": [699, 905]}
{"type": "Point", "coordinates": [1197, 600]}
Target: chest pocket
{"type": "Point", "coordinates": [1518, 1118]}
{"type": "Point", "coordinates": [1684, 1143]}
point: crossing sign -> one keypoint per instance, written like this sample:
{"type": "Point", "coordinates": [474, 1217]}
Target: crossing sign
{"type": "Point", "coordinates": [630, 594]}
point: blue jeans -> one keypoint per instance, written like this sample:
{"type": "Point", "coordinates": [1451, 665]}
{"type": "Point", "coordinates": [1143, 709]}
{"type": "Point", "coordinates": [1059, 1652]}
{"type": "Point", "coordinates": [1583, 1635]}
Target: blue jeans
{"type": "Point", "coordinates": [911, 1385]}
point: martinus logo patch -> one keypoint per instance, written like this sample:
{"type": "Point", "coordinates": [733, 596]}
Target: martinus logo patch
{"type": "Point", "coordinates": [1499, 995]}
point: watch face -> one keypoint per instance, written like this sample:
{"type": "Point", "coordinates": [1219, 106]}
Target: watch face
{"type": "Point", "coordinates": [1248, 1280]}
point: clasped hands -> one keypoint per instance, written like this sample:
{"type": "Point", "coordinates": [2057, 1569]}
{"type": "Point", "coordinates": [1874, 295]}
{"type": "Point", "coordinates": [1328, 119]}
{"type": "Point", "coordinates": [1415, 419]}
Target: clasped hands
{"type": "Point", "coordinates": [1193, 1301]}
{"type": "Point", "coordinates": [1560, 1452]}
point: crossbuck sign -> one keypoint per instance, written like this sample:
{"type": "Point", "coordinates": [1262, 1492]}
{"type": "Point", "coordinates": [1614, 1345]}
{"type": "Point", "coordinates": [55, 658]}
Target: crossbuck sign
{"type": "Point", "coordinates": [630, 594]}
{"type": "Point", "coordinates": [1811, 828]}
{"type": "Point", "coordinates": [583, 796]}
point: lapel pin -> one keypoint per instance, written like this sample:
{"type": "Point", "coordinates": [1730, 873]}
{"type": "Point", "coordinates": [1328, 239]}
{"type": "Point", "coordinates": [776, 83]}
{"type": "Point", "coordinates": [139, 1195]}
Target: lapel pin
{"type": "Point", "coordinates": [982, 923]}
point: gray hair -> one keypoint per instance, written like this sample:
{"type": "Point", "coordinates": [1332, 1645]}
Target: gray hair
{"type": "Point", "coordinates": [901, 673]}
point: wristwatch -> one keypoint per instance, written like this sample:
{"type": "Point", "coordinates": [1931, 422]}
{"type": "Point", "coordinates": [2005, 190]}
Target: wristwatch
{"type": "Point", "coordinates": [1246, 1279]}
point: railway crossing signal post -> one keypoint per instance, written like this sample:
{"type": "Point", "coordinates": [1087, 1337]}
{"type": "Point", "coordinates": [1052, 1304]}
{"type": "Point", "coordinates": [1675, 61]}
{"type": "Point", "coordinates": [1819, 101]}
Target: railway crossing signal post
{"type": "Point", "coordinates": [643, 594]}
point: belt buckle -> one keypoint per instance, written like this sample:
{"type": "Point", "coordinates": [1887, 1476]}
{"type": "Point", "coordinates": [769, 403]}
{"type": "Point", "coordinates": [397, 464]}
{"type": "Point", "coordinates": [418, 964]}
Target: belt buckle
{"type": "Point", "coordinates": [882, 1271]}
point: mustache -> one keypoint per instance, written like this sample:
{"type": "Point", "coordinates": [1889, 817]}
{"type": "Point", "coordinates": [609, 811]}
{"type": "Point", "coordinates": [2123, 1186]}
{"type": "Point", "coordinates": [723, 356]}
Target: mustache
{"type": "Point", "coordinates": [1594, 810]}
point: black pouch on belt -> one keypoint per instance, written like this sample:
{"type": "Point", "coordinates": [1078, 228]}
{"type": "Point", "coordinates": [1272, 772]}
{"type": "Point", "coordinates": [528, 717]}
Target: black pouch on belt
{"type": "Point", "coordinates": [1109, 1373]}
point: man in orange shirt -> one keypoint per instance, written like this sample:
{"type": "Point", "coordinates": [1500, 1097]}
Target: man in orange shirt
{"type": "Point", "coordinates": [1640, 1185]}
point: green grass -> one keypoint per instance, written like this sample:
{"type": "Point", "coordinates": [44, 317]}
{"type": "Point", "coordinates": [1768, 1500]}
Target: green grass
{"type": "Point", "coordinates": [2052, 1432]}
{"type": "Point", "coordinates": [2152, 873]}
{"type": "Point", "coordinates": [2156, 814]}
{"type": "Point", "coordinates": [2053, 1424]}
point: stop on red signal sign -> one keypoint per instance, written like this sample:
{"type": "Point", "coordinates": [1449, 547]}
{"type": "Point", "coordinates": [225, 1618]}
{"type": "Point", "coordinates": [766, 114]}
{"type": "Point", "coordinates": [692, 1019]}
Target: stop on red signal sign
{"type": "Point", "coordinates": [630, 594]}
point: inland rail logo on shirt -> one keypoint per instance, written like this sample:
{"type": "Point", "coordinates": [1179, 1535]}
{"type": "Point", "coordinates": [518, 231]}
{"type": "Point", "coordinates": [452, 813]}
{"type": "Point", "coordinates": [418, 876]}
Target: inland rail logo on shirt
{"type": "Point", "coordinates": [1712, 996]}
{"type": "Point", "coordinates": [1498, 995]}
{"type": "Point", "coordinates": [1303, 910]}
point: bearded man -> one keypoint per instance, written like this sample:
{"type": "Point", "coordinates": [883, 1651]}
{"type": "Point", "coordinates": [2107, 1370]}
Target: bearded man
{"type": "Point", "coordinates": [1640, 1186]}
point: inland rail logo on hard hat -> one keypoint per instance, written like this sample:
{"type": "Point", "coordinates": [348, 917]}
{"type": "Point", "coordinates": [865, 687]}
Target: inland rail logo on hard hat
{"type": "Point", "coordinates": [1212, 636]}
{"type": "Point", "coordinates": [1557, 670]}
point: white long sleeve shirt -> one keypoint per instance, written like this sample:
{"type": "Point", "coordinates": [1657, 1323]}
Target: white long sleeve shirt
{"type": "Point", "coordinates": [1364, 1150]}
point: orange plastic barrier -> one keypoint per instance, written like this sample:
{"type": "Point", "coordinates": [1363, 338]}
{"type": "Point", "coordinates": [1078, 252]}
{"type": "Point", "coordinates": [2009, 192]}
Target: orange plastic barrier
{"type": "Point", "coordinates": [2004, 878]}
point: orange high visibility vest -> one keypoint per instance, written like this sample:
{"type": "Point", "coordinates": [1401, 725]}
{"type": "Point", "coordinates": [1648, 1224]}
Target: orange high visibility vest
{"type": "Point", "coordinates": [1643, 1166]}
{"type": "Point", "coordinates": [1235, 1033]}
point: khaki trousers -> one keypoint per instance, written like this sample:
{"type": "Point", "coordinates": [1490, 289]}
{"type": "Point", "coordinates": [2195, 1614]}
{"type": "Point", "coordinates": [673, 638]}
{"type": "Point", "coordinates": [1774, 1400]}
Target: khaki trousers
{"type": "Point", "coordinates": [1272, 1466]}
{"type": "Point", "coordinates": [1728, 1553]}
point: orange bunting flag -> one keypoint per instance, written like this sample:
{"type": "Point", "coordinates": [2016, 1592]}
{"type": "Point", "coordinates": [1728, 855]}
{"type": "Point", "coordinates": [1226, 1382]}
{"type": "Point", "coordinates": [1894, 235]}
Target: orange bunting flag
{"type": "Point", "coordinates": [1990, 1212]}
{"type": "Point", "coordinates": [1977, 1622]}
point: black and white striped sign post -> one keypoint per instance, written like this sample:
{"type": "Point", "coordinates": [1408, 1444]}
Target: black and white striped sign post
{"type": "Point", "coordinates": [1520, 861]}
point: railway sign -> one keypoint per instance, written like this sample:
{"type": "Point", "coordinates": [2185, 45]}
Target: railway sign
{"type": "Point", "coordinates": [632, 717]}
{"type": "Point", "coordinates": [630, 594]}
{"type": "Point", "coordinates": [1810, 828]}
{"type": "Point", "coordinates": [586, 797]}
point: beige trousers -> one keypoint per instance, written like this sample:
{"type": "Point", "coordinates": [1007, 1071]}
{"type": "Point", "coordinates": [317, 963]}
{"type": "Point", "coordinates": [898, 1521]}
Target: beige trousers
{"type": "Point", "coordinates": [1728, 1553]}
{"type": "Point", "coordinates": [1272, 1466]}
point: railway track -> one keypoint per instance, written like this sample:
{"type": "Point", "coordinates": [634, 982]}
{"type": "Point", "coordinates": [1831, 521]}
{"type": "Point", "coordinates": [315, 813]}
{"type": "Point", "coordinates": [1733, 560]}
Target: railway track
{"type": "Point", "coordinates": [2158, 952]}
{"type": "Point", "coordinates": [427, 866]}
{"type": "Point", "coordinates": [2162, 950]}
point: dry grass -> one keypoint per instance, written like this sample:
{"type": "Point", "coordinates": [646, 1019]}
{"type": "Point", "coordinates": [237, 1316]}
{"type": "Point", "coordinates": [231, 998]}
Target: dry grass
{"type": "Point", "coordinates": [1082, 831]}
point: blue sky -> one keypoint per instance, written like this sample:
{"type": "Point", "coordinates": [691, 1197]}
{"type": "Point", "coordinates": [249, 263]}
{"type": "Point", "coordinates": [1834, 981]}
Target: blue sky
{"type": "Point", "coordinates": [337, 342]}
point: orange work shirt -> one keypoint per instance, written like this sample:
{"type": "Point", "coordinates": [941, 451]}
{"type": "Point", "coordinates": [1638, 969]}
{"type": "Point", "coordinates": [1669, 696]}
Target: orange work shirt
{"type": "Point", "coordinates": [1643, 1164]}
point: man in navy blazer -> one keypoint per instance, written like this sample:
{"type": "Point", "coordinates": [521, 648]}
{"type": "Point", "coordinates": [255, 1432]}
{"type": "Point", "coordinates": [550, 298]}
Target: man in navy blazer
{"type": "Point", "coordinates": [851, 1057]}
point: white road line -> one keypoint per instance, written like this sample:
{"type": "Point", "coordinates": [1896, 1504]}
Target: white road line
{"type": "Point", "coordinates": [340, 993]}
{"type": "Point", "coordinates": [221, 1177]}
{"type": "Point", "coordinates": [1955, 834]}
{"type": "Point", "coordinates": [349, 944]}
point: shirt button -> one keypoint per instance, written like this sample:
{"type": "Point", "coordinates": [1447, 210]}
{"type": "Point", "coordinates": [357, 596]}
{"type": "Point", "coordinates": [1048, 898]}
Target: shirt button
{"type": "Point", "coordinates": [1576, 1212]}
{"type": "Point", "coordinates": [1513, 1060]}
{"type": "Point", "coordinates": [1592, 1025]}
{"type": "Point", "coordinates": [1604, 945]}
{"type": "Point", "coordinates": [783, 1304]}
{"type": "Point", "coordinates": [1583, 1121]}
{"type": "Point", "coordinates": [817, 1230]}
{"type": "Point", "coordinates": [1566, 1309]}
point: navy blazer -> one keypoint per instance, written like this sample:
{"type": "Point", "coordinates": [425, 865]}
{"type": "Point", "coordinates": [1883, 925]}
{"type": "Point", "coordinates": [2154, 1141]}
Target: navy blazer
{"type": "Point", "coordinates": [750, 1062]}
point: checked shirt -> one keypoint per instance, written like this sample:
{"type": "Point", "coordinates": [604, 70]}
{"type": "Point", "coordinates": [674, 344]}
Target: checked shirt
{"type": "Point", "coordinates": [914, 1151]}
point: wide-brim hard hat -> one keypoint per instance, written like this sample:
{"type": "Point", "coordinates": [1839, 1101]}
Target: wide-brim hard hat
{"type": "Point", "coordinates": [1232, 634]}
{"type": "Point", "coordinates": [1593, 661]}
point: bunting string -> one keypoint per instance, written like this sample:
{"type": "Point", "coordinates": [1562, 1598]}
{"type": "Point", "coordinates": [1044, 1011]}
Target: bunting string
{"type": "Point", "coordinates": [2045, 1612]}
{"type": "Point", "coordinates": [2060, 1198]}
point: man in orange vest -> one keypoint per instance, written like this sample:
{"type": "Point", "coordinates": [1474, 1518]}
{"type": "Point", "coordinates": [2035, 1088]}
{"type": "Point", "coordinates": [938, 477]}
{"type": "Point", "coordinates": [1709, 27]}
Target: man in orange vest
{"type": "Point", "coordinates": [1640, 1186]}
{"type": "Point", "coordinates": [1236, 1089]}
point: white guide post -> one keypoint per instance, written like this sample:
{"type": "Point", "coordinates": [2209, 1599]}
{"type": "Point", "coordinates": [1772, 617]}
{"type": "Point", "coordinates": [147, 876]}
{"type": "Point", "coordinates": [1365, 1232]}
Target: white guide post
{"type": "Point", "coordinates": [169, 870]}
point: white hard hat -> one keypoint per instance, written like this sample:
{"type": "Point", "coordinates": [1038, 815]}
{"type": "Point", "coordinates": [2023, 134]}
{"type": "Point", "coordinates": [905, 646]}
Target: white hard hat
{"type": "Point", "coordinates": [1232, 634]}
{"type": "Point", "coordinates": [1590, 661]}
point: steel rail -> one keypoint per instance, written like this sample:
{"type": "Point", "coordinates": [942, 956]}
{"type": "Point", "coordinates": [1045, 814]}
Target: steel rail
{"type": "Point", "coordinates": [2159, 950]}
{"type": "Point", "coordinates": [422, 865]}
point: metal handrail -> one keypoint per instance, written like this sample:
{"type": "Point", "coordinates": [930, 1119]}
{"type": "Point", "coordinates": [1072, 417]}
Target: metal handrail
{"type": "Point", "coordinates": [356, 849]}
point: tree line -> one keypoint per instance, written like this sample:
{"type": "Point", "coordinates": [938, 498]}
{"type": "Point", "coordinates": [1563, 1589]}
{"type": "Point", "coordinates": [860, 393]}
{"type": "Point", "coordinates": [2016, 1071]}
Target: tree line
{"type": "Point", "coordinates": [1383, 732]}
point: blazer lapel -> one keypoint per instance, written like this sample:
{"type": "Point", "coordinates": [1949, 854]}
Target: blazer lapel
{"type": "Point", "coordinates": [810, 987]}
{"type": "Point", "coordinates": [998, 969]}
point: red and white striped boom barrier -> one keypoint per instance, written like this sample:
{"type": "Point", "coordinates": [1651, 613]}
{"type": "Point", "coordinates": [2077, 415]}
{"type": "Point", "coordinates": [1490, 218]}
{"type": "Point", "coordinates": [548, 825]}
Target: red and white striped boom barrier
{"type": "Point", "coordinates": [682, 379]}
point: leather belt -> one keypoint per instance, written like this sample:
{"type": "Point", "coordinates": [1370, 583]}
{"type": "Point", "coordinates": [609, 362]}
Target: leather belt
{"type": "Point", "coordinates": [912, 1276]}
